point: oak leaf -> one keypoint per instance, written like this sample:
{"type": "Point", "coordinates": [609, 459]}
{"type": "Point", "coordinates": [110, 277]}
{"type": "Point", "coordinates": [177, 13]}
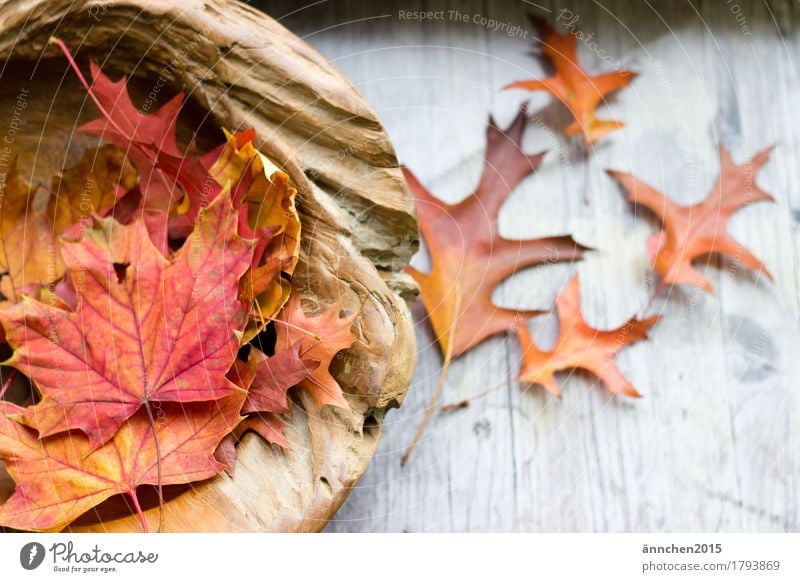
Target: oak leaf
{"type": "Point", "coordinates": [63, 476]}
{"type": "Point", "coordinates": [469, 257]}
{"type": "Point", "coordinates": [320, 338]}
{"type": "Point", "coordinates": [580, 346]}
{"type": "Point", "coordinates": [145, 329]}
{"type": "Point", "coordinates": [690, 232]}
{"type": "Point", "coordinates": [579, 91]}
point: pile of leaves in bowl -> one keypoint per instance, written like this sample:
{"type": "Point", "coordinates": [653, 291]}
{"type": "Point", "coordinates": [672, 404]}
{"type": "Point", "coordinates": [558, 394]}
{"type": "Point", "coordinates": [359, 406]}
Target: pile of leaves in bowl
{"type": "Point", "coordinates": [148, 302]}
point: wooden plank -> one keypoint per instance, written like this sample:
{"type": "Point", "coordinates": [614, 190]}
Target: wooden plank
{"type": "Point", "coordinates": [713, 445]}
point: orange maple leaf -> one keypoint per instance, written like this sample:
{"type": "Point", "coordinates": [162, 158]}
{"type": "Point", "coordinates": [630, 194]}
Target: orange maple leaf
{"type": "Point", "coordinates": [580, 92]}
{"type": "Point", "coordinates": [469, 257]}
{"type": "Point", "coordinates": [144, 329]}
{"type": "Point", "coordinates": [62, 477]}
{"type": "Point", "coordinates": [580, 346]}
{"type": "Point", "coordinates": [693, 231]}
{"type": "Point", "coordinates": [320, 338]}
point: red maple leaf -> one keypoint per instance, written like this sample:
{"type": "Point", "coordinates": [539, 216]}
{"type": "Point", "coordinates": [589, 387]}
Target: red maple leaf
{"type": "Point", "coordinates": [145, 329]}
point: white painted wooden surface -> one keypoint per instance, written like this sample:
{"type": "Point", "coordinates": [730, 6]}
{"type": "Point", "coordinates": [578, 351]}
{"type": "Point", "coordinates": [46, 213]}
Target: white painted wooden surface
{"type": "Point", "coordinates": [714, 443]}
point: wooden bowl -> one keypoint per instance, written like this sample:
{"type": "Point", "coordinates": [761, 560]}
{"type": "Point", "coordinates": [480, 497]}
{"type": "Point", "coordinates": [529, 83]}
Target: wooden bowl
{"type": "Point", "coordinates": [239, 69]}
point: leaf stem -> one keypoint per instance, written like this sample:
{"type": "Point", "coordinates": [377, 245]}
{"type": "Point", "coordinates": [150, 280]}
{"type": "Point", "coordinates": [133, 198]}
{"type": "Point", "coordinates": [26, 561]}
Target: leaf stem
{"type": "Point", "coordinates": [448, 358]}
{"type": "Point", "coordinates": [152, 422]}
{"type": "Point", "coordinates": [86, 86]}
{"type": "Point", "coordinates": [467, 401]}
{"type": "Point", "coordinates": [7, 383]}
{"type": "Point", "coordinates": [293, 326]}
{"type": "Point", "coordinates": [139, 512]}
{"type": "Point", "coordinates": [585, 150]}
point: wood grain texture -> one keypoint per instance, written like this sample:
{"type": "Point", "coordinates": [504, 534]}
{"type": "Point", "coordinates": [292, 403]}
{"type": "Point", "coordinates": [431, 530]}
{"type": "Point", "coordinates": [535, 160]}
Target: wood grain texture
{"type": "Point", "coordinates": [713, 444]}
{"type": "Point", "coordinates": [241, 69]}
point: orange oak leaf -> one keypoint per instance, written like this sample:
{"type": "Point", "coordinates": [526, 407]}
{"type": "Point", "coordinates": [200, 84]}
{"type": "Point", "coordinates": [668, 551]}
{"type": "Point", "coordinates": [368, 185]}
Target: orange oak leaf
{"type": "Point", "coordinates": [469, 257]}
{"type": "Point", "coordinates": [580, 346]}
{"type": "Point", "coordinates": [144, 329]}
{"type": "Point", "coordinates": [580, 92]}
{"type": "Point", "coordinates": [63, 476]}
{"type": "Point", "coordinates": [690, 232]}
{"type": "Point", "coordinates": [320, 338]}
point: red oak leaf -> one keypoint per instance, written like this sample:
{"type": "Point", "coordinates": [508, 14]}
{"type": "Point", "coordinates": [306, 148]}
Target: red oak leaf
{"type": "Point", "coordinates": [700, 229]}
{"type": "Point", "coordinates": [469, 257]}
{"type": "Point", "coordinates": [580, 346]}
{"type": "Point", "coordinates": [573, 86]}
{"type": "Point", "coordinates": [144, 329]}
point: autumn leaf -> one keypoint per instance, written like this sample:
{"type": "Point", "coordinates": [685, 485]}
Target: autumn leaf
{"type": "Point", "coordinates": [181, 184]}
{"type": "Point", "coordinates": [62, 477]}
{"type": "Point", "coordinates": [580, 346]}
{"type": "Point", "coordinates": [94, 185]}
{"type": "Point", "coordinates": [31, 219]}
{"type": "Point", "coordinates": [320, 338]}
{"type": "Point", "coordinates": [690, 232]}
{"type": "Point", "coordinates": [267, 380]}
{"type": "Point", "coordinates": [142, 136]}
{"type": "Point", "coordinates": [145, 329]}
{"type": "Point", "coordinates": [270, 217]}
{"type": "Point", "coordinates": [469, 257]}
{"type": "Point", "coordinates": [579, 91]}
{"type": "Point", "coordinates": [29, 251]}
{"type": "Point", "coordinates": [274, 376]}
{"type": "Point", "coordinates": [149, 139]}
